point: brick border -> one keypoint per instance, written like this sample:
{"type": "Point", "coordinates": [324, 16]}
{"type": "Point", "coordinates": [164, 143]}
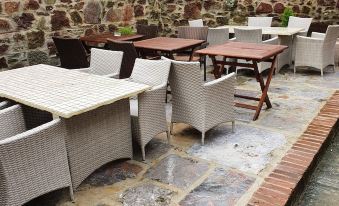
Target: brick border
{"type": "Point", "coordinates": [288, 179]}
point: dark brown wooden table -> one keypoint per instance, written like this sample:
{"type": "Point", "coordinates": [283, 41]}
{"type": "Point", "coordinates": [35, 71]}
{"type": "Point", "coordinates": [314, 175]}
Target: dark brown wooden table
{"type": "Point", "coordinates": [102, 38]}
{"type": "Point", "coordinates": [168, 46]}
{"type": "Point", "coordinates": [253, 53]}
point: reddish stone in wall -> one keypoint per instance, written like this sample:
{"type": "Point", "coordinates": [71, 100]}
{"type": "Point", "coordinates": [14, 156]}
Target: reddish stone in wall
{"type": "Point", "coordinates": [113, 15]}
{"type": "Point", "coordinates": [338, 4]}
{"type": "Point", "coordinates": [296, 9]}
{"type": "Point", "coordinates": [192, 10]}
{"type": "Point", "coordinates": [4, 25]}
{"type": "Point", "coordinates": [32, 5]}
{"type": "Point", "coordinates": [25, 20]}
{"type": "Point", "coordinates": [264, 8]}
{"type": "Point", "coordinates": [138, 10]}
{"type": "Point", "coordinates": [171, 7]}
{"type": "Point", "coordinates": [92, 12]}
{"type": "Point", "coordinates": [11, 7]}
{"type": "Point", "coordinates": [59, 20]}
{"type": "Point", "coordinates": [279, 8]}
{"type": "Point", "coordinates": [208, 4]}
{"type": "Point", "coordinates": [127, 13]}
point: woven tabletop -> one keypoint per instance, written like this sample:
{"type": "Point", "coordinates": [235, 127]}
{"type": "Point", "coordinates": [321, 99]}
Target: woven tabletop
{"type": "Point", "coordinates": [283, 31]}
{"type": "Point", "coordinates": [63, 92]}
{"type": "Point", "coordinates": [243, 50]}
{"type": "Point", "coordinates": [167, 44]}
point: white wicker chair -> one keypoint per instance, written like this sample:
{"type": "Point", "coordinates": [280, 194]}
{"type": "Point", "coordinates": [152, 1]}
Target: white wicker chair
{"type": "Point", "coordinates": [151, 116]}
{"type": "Point", "coordinates": [260, 21]}
{"type": "Point", "coordinates": [33, 162]}
{"type": "Point", "coordinates": [196, 23]}
{"type": "Point", "coordinates": [202, 105]}
{"type": "Point", "coordinates": [217, 36]}
{"type": "Point", "coordinates": [104, 62]}
{"type": "Point", "coordinates": [253, 36]}
{"type": "Point", "coordinates": [317, 51]}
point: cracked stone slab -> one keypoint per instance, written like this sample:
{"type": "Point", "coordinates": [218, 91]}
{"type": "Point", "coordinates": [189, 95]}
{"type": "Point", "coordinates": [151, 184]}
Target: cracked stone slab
{"type": "Point", "coordinates": [247, 149]}
{"type": "Point", "coordinates": [178, 171]}
{"type": "Point", "coordinates": [146, 194]}
{"type": "Point", "coordinates": [112, 173]}
{"type": "Point", "coordinates": [222, 187]}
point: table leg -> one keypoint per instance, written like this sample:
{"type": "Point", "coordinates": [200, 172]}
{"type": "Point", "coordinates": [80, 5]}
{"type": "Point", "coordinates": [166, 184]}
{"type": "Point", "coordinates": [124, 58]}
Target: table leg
{"type": "Point", "coordinates": [191, 54]}
{"type": "Point", "coordinates": [260, 79]}
{"type": "Point", "coordinates": [264, 96]}
{"type": "Point", "coordinates": [216, 71]}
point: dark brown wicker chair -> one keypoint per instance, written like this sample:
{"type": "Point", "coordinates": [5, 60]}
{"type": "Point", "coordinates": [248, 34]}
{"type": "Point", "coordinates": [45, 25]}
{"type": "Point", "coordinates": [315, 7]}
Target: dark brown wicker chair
{"type": "Point", "coordinates": [71, 52]}
{"type": "Point", "coordinates": [149, 31]}
{"type": "Point", "coordinates": [128, 59]}
{"type": "Point", "coordinates": [199, 33]}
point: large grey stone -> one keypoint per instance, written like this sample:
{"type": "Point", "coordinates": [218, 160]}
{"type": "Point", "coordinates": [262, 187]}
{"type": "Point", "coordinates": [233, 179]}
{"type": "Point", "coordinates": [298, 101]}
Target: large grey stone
{"type": "Point", "coordinates": [247, 149]}
{"type": "Point", "coordinates": [177, 171]}
{"type": "Point", "coordinates": [146, 194]}
{"type": "Point", "coordinates": [221, 188]}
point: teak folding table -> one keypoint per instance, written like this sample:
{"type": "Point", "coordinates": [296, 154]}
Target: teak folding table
{"type": "Point", "coordinates": [250, 52]}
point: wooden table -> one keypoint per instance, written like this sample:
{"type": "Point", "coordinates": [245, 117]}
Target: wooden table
{"type": "Point", "coordinates": [168, 45]}
{"type": "Point", "coordinates": [254, 53]}
{"type": "Point", "coordinates": [94, 109]}
{"type": "Point", "coordinates": [285, 35]}
{"type": "Point", "coordinates": [102, 38]}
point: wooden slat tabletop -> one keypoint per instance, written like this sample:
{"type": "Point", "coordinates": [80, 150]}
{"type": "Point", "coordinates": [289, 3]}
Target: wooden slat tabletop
{"type": "Point", "coordinates": [102, 38]}
{"type": "Point", "coordinates": [167, 44]}
{"type": "Point", "coordinates": [242, 50]}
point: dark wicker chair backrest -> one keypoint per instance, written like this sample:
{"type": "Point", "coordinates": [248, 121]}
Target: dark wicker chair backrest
{"type": "Point", "coordinates": [149, 31]}
{"type": "Point", "coordinates": [187, 32]}
{"type": "Point", "coordinates": [71, 52]}
{"type": "Point", "coordinates": [128, 59]}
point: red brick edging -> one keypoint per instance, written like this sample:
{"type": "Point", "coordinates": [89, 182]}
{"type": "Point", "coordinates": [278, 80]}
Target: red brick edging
{"type": "Point", "coordinates": [289, 176]}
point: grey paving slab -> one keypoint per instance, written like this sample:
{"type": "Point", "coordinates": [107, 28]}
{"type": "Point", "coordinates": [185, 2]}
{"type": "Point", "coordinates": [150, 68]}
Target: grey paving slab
{"type": "Point", "coordinates": [247, 149]}
{"type": "Point", "coordinates": [146, 194]}
{"type": "Point", "coordinates": [221, 188]}
{"type": "Point", "coordinates": [177, 171]}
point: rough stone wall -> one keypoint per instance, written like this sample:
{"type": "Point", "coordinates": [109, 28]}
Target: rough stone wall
{"type": "Point", "coordinates": [26, 26]}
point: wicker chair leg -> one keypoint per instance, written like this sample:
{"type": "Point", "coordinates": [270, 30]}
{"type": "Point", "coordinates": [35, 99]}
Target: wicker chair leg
{"type": "Point", "coordinates": [168, 137]}
{"type": "Point", "coordinates": [71, 193]}
{"type": "Point", "coordinates": [202, 138]}
{"type": "Point", "coordinates": [294, 69]}
{"type": "Point", "coordinates": [233, 126]}
{"type": "Point", "coordinates": [171, 128]}
{"type": "Point", "coordinates": [322, 71]}
{"type": "Point", "coordinates": [143, 153]}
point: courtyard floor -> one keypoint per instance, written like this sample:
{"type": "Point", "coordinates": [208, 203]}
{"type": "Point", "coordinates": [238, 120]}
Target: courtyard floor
{"type": "Point", "coordinates": [227, 169]}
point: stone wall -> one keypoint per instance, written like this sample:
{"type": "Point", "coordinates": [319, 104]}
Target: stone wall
{"type": "Point", "coordinates": [26, 26]}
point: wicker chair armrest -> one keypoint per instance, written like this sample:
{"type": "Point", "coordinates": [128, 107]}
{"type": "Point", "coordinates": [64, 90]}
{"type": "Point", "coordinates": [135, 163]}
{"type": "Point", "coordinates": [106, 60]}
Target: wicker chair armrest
{"type": "Point", "coordinates": [318, 35]}
{"type": "Point", "coordinates": [219, 98]}
{"type": "Point", "coordinates": [310, 40]}
{"type": "Point", "coordinates": [274, 40]}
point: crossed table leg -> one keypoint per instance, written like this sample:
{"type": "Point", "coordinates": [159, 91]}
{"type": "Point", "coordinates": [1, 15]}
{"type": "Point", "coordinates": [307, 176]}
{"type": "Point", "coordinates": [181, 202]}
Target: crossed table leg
{"type": "Point", "coordinates": [264, 86]}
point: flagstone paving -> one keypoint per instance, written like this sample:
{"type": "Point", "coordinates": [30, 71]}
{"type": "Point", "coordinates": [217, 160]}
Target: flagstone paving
{"type": "Point", "coordinates": [227, 169]}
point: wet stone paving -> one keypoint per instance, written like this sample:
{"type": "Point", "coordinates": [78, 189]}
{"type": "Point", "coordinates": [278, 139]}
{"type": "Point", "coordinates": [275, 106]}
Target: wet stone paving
{"type": "Point", "coordinates": [227, 169]}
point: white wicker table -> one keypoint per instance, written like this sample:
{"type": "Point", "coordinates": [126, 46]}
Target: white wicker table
{"type": "Point", "coordinates": [285, 36]}
{"type": "Point", "coordinates": [94, 109]}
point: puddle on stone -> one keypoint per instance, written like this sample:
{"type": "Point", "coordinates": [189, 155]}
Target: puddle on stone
{"type": "Point", "coordinates": [177, 171]}
{"type": "Point", "coordinates": [146, 194]}
{"type": "Point", "coordinates": [248, 149]}
{"type": "Point", "coordinates": [323, 188]}
{"type": "Point", "coordinates": [222, 187]}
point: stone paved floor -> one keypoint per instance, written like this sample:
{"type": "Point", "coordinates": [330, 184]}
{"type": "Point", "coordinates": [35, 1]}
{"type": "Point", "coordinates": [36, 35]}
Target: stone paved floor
{"type": "Point", "coordinates": [227, 170]}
